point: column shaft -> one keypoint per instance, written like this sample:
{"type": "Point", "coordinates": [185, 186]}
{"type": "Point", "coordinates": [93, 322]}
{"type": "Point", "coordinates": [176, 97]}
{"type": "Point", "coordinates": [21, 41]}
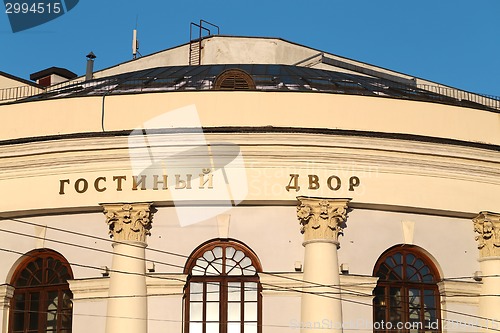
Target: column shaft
{"type": "Point", "coordinates": [323, 308]}
{"type": "Point", "coordinates": [127, 303]}
{"type": "Point", "coordinates": [489, 302]}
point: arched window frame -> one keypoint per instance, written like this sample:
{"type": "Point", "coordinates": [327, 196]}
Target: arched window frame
{"type": "Point", "coordinates": [225, 298]}
{"type": "Point", "coordinates": [402, 294]}
{"type": "Point", "coordinates": [42, 300]}
{"type": "Point", "coordinates": [234, 79]}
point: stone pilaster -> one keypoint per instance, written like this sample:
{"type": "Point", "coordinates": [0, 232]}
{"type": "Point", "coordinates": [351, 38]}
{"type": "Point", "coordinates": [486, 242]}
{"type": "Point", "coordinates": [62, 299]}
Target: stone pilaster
{"type": "Point", "coordinates": [487, 226]}
{"type": "Point", "coordinates": [6, 294]}
{"type": "Point", "coordinates": [322, 219]}
{"type": "Point", "coordinates": [129, 222]}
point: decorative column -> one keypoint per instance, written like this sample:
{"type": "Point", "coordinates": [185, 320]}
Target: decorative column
{"type": "Point", "coordinates": [6, 294]}
{"type": "Point", "coordinates": [487, 226]}
{"type": "Point", "coordinates": [129, 224]}
{"type": "Point", "coordinates": [321, 220]}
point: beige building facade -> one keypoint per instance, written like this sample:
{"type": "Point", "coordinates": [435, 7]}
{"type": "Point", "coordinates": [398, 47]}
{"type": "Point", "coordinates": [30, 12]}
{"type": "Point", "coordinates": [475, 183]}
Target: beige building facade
{"type": "Point", "coordinates": [272, 188]}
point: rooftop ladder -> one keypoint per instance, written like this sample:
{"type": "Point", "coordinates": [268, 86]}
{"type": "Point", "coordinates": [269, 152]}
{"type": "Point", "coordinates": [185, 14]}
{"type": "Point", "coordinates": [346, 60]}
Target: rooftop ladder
{"type": "Point", "coordinates": [195, 46]}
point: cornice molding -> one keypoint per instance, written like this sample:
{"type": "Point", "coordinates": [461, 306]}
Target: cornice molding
{"type": "Point", "coordinates": [86, 154]}
{"type": "Point", "coordinates": [459, 292]}
{"type": "Point", "coordinates": [96, 289]}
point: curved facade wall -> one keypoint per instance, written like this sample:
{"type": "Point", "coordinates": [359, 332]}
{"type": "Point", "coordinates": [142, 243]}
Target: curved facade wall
{"type": "Point", "coordinates": [231, 165]}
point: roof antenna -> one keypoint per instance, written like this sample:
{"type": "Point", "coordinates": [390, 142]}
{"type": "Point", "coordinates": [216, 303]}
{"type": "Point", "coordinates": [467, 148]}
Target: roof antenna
{"type": "Point", "coordinates": [135, 41]}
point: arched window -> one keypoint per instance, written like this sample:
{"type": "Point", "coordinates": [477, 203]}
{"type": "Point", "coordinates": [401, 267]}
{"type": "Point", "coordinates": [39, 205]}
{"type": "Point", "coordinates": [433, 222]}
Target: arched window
{"type": "Point", "coordinates": [234, 79]}
{"type": "Point", "coordinates": [222, 294]}
{"type": "Point", "coordinates": [406, 296]}
{"type": "Point", "coordinates": [42, 299]}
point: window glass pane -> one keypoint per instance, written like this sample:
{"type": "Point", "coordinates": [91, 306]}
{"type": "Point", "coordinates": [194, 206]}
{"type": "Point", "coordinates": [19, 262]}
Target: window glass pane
{"type": "Point", "coordinates": [411, 274]}
{"type": "Point", "coordinates": [395, 315]}
{"type": "Point", "coordinates": [195, 327]}
{"type": "Point", "coordinates": [34, 310]}
{"type": "Point", "coordinates": [209, 256]}
{"type": "Point", "coordinates": [250, 327]}
{"type": "Point", "coordinates": [425, 270]}
{"type": "Point", "coordinates": [233, 328]}
{"type": "Point", "coordinates": [67, 304]}
{"type": "Point", "coordinates": [414, 298]}
{"type": "Point", "coordinates": [195, 291]}
{"type": "Point", "coordinates": [215, 267]}
{"type": "Point", "coordinates": [250, 311]}
{"type": "Point", "coordinates": [397, 273]}
{"type": "Point", "coordinates": [246, 262]}
{"type": "Point", "coordinates": [235, 271]}
{"type": "Point", "coordinates": [249, 270]}
{"type": "Point", "coordinates": [234, 291]}
{"type": "Point", "coordinates": [238, 256]}
{"type": "Point", "coordinates": [230, 263]}
{"type": "Point", "coordinates": [66, 321]}
{"type": "Point", "coordinates": [428, 278]}
{"type": "Point", "coordinates": [213, 311]}
{"type": "Point", "coordinates": [410, 258]}
{"type": "Point", "coordinates": [430, 319]}
{"type": "Point", "coordinates": [195, 311]}
{"type": "Point", "coordinates": [429, 299]}
{"type": "Point", "coordinates": [395, 297]}
{"type": "Point", "coordinates": [234, 311]}
{"type": "Point", "coordinates": [250, 291]}
{"type": "Point", "coordinates": [230, 252]}
{"type": "Point", "coordinates": [23, 279]}
{"type": "Point", "coordinates": [211, 270]}
{"type": "Point", "coordinates": [217, 252]}
{"type": "Point", "coordinates": [197, 270]}
{"type": "Point", "coordinates": [19, 304]}
{"type": "Point", "coordinates": [52, 302]}
{"type": "Point", "coordinates": [201, 263]}
{"type": "Point", "coordinates": [213, 291]}
{"type": "Point", "coordinates": [212, 328]}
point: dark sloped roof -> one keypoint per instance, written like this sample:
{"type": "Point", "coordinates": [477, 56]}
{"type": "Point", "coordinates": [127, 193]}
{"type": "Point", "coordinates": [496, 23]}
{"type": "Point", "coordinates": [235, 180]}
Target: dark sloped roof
{"type": "Point", "coordinates": [266, 77]}
{"type": "Point", "coordinates": [53, 70]}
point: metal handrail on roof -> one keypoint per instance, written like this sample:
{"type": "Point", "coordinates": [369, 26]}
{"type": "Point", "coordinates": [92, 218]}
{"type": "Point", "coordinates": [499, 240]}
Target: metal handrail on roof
{"type": "Point", "coordinates": [266, 78]}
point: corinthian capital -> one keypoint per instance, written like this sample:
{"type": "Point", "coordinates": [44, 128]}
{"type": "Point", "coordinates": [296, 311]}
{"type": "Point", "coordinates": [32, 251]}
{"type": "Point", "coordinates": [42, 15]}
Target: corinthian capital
{"type": "Point", "coordinates": [322, 220]}
{"type": "Point", "coordinates": [487, 226]}
{"type": "Point", "coordinates": [129, 222]}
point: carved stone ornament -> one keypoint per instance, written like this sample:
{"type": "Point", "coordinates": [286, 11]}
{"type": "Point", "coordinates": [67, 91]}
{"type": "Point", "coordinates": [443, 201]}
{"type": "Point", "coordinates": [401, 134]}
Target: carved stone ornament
{"type": "Point", "coordinates": [487, 225]}
{"type": "Point", "coordinates": [129, 222]}
{"type": "Point", "coordinates": [322, 219]}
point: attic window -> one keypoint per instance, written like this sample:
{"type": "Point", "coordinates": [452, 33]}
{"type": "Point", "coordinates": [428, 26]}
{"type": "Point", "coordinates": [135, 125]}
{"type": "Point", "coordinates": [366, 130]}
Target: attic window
{"type": "Point", "coordinates": [234, 79]}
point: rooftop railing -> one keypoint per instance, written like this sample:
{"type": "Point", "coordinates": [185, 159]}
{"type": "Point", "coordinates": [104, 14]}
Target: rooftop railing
{"type": "Point", "coordinates": [359, 86]}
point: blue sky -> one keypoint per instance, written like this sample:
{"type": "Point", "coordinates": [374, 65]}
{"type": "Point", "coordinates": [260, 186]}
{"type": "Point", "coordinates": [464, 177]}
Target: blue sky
{"type": "Point", "coordinates": [454, 42]}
